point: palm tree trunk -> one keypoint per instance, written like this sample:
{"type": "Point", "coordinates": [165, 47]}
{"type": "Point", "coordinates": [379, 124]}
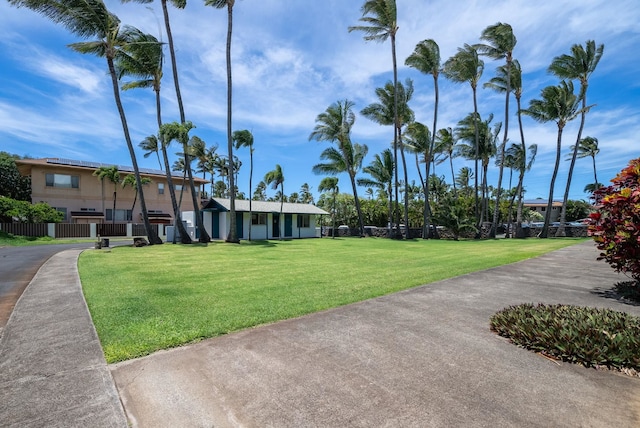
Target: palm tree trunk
{"type": "Point", "coordinates": [563, 214]}
{"type": "Point", "coordinates": [233, 236]}
{"type": "Point", "coordinates": [204, 236]}
{"type": "Point", "coordinates": [406, 184]}
{"type": "Point", "coordinates": [352, 177]}
{"type": "Point", "coordinates": [453, 175]}
{"type": "Point", "coordinates": [595, 176]}
{"type": "Point", "coordinates": [496, 211]}
{"type": "Point", "coordinates": [281, 234]}
{"type": "Point", "coordinates": [519, 233]}
{"type": "Point", "coordinates": [250, 189]}
{"type": "Point", "coordinates": [151, 233]}
{"type": "Point", "coordinates": [178, 225]}
{"type": "Point", "coordinates": [113, 217]}
{"type": "Point", "coordinates": [477, 143]}
{"type": "Point", "coordinates": [547, 218]}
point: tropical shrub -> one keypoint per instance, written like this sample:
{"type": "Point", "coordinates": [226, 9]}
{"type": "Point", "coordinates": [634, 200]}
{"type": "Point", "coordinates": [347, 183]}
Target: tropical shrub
{"type": "Point", "coordinates": [588, 336]}
{"type": "Point", "coordinates": [25, 212]}
{"type": "Point", "coordinates": [615, 226]}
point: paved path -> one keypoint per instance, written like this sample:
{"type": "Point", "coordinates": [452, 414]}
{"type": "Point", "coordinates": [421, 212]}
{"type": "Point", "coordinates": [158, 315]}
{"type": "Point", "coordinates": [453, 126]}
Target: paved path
{"type": "Point", "coordinates": [423, 357]}
{"type": "Point", "coordinates": [52, 370]}
{"type": "Point", "coordinates": [420, 358]}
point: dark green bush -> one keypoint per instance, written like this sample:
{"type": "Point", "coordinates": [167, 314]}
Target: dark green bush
{"type": "Point", "coordinates": [587, 336]}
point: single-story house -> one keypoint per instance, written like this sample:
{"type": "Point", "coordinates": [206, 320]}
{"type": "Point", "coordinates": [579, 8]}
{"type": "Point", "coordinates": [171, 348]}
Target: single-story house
{"type": "Point", "coordinates": [299, 220]}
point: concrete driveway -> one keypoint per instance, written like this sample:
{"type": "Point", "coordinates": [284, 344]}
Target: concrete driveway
{"type": "Point", "coordinates": [420, 358]}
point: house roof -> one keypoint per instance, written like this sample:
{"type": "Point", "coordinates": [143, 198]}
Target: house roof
{"type": "Point", "coordinates": [25, 165]}
{"type": "Point", "coordinates": [540, 203]}
{"type": "Point", "coordinates": [218, 204]}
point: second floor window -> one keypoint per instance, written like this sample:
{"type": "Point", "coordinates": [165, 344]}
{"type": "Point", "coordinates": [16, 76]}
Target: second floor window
{"type": "Point", "coordinates": [160, 188]}
{"type": "Point", "coordinates": [62, 180]}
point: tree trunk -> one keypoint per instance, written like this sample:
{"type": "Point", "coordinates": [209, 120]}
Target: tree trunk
{"type": "Point", "coordinates": [477, 143]}
{"type": "Point", "coordinates": [406, 184]}
{"type": "Point", "coordinates": [547, 218]}
{"type": "Point", "coordinates": [233, 235]}
{"type": "Point", "coordinates": [352, 177]}
{"type": "Point", "coordinates": [496, 211]}
{"type": "Point", "coordinates": [152, 237]}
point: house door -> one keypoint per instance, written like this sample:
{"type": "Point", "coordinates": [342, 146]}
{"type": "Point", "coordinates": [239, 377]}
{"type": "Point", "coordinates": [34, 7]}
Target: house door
{"type": "Point", "coordinates": [215, 225]}
{"type": "Point", "coordinates": [275, 225]}
{"type": "Point", "coordinates": [239, 226]}
{"type": "Point", "coordinates": [288, 223]}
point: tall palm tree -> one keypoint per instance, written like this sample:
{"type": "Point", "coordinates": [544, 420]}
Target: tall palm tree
{"type": "Point", "coordinates": [445, 144]}
{"type": "Point", "coordinates": [579, 66]}
{"type": "Point", "coordinates": [110, 173]}
{"type": "Point", "coordinates": [393, 110]}
{"type": "Point", "coordinates": [560, 105]}
{"type": "Point", "coordinates": [150, 146]}
{"type": "Point", "coordinates": [418, 139]}
{"type": "Point", "coordinates": [466, 66]}
{"type": "Point", "coordinates": [334, 125]}
{"type": "Point", "coordinates": [380, 19]}
{"type": "Point", "coordinates": [463, 179]}
{"type": "Point", "coordinates": [90, 18]}
{"type": "Point", "coordinates": [500, 43]}
{"type": "Point", "coordinates": [142, 59]}
{"type": "Point", "coordinates": [219, 4]}
{"type": "Point", "coordinates": [275, 178]}
{"type": "Point", "coordinates": [330, 184]}
{"type": "Point", "coordinates": [381, 172]}
{"type": "Point", "coordinates": [588, 147]}
{"type": "Point", "coordinates": [426, 58]}
{"type": "Point", "coordinates": [499, 83]}
{"type": "Point", "coordinates": [482, 152]}
{"type": "Point", "coordinates": [244, 138]}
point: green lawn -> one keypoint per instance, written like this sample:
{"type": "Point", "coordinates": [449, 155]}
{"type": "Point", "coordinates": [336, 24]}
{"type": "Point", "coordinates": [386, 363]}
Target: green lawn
{"type": "Point", "coordinates": [151, 298]}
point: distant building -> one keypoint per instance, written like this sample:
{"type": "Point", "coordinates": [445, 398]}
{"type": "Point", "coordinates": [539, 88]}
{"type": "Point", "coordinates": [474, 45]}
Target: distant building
{"type": "Point", "coordinates": [540, 206]}
{"type": "Point", "coordinates": [299, 220]}
{"type": "Point", "coordinates": [71, 188]}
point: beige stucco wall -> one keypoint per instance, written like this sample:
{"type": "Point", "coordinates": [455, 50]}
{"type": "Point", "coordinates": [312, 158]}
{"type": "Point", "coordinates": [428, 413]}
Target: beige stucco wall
{"type": "Point", "coordinates": [93, 194]}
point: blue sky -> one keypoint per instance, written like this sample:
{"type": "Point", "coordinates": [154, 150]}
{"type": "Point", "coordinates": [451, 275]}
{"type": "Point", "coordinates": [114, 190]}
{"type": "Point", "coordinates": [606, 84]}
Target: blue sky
{"type": "Point", "coordinates": [292, 59]}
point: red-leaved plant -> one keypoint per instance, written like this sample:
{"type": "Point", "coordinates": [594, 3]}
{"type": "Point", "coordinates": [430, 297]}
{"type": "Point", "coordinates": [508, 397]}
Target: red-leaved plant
{"type": "Point", "coordinates": [615, 226]}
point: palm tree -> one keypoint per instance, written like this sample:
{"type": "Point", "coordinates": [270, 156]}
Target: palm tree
{"type": "Point", "coordinates": [560, 105]}
{"type": "Point", "coordinates": [463, 179]}
{"type": "Point", "coordinates": [445, 144]}
{"type": "Point", "coordinates": [393, 109]}
{"type": "Point", "coordinates": [482, 152]}
{"type": "Point", "coordinates": [142, 58]}
{"type": "Point", "coordinates": [579, 65]}
{"type": "Point", "coordinates": [219, 4]}
{"type": "Point", "coordinates": [499, 83]}
{"type": "Point", "coordinates": [111, 174]}
{"type": "Point", "coordinates": [381, 23]}
{"type": "Point", "coordinates": [349, 161]}
{"type": "Point", "coordinates": [244, 138]}
{"type": "Point", "coordinates": [426, 58]}
{"type": "Point", "coordinates": [334, 125]}
{"type": "Point", "coordinates": [275, 178]}
{"type": "Point", "coordinates": [466, 66]}
{"type": "Point", "coordinates": [417, 139]}
{"type": "Point", "coordinates": [516, 158]}
{"type": "Point", "coordinates": [500, 44]}
{"type": "Point", "coordinates": [130, 181]}
{"type": "Point", "coordinates": [150, 145]}
{"type": "Point", "coordinates": [90, 18]}
{"type": "Point", "coordinates": [381, 172]}
{"type": "Point", "coordinates": [588, 147]}
{"type": "Point", "coordinates": [330, 184]}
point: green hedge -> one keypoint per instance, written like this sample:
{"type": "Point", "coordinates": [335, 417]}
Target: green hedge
{"type": "Point", "coordinates": [587, 336]}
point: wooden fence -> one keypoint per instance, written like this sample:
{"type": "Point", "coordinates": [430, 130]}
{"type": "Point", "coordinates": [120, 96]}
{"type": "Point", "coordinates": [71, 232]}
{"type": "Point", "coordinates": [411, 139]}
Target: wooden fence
{"type": "Point", "coordinates": [73, 230]}
{"type": "Point", "coordinates": [25, 229]}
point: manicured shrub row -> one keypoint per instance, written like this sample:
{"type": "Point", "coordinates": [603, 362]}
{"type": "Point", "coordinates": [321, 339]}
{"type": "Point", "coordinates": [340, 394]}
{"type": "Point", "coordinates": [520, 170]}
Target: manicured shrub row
{"type": "Point", "coordinates": [587, 336]}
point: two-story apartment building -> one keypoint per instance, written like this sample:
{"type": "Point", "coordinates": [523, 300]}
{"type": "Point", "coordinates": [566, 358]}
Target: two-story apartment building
{"type": "Point", "coordinates": [71, 187]}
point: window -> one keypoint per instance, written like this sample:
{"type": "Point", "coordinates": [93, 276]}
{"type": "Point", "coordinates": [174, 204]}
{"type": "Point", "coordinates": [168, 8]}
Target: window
{"type": "Point", "coordinates": [160, 188]}
{"type": "Point", "coordinates": [304, 220]}
{"type": "Point", "coordinates": [88, 209]}
{"type": "Point", "coordinates": [258, 218]}
{"type": "Point", "coordinates": [62, 180]}
{"type": "Point", "coordinates": [121, 215]}
{"type": "Point", "coordinates": [543, 209]}
{"type": "Point", "coordinates": [178, 187]}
